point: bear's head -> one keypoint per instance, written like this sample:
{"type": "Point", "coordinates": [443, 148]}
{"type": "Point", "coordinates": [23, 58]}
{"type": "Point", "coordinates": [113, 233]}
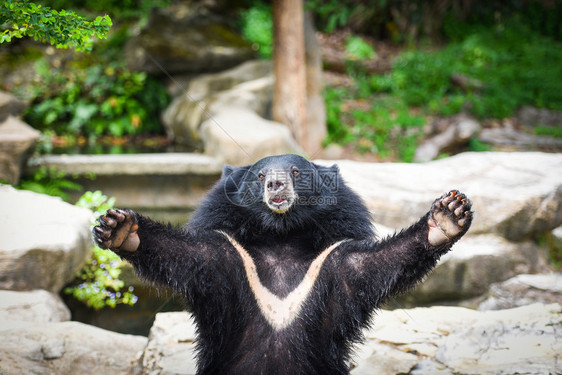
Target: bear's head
{"type": "Point", "coordinates": [280, 194]}
{"type": "Point", "coordinates": [280, 184]}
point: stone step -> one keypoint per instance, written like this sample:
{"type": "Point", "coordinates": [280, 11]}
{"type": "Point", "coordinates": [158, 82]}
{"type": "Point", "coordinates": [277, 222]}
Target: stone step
{"type": "Point", "coordinates": [131, 164]}
{"type": "Point", "coordinates": [151, 181]}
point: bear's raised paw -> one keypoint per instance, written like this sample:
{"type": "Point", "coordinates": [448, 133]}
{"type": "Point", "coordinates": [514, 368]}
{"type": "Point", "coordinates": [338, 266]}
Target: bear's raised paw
{"type": "Point", "coordinates": [117, 230]}
{"type": "Point", "coordinates": [450, 217]}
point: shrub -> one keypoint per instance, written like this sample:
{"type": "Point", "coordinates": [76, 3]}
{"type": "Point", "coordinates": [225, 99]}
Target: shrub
{"type": "Point", "coordinates": [96, 100]}
{"type": "Point", "coordinates": [49, 182]}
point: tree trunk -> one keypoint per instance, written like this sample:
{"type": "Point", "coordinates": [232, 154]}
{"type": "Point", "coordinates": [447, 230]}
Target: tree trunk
{"type": "Point", "coordinates": [316, 128]}
{"type": "Point", "coordinates": [289, 100]}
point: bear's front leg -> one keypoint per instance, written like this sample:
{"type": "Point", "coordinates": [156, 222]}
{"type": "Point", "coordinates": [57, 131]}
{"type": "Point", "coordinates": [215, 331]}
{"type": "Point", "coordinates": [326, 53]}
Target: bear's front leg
{"type": "Point", "coordinates": [449, 218]}
{"type": "Point", "coordinates": [117, 230]}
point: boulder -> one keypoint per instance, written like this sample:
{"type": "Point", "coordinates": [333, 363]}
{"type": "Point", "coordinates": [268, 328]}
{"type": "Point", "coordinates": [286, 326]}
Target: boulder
{"type": "Point", "coordinates": [475, 263]}
{"type": "Point", "coordinates": [517, 195]}
{"type": "Point", "coordinates": [38, 306]}
{"type": "Point", "coordinates": [171, 347]}
{"type": "Point", "coordinates": [249, 85]}
{"type": "Point", "coordinates": [524, 290]}
{"type": "Point", "coordinates": [186, 37]}
{"type": "Point", "coordinates": [531, 116]}
{"type": "Point", "coordinates": [514, 140]}
{"type": "Point", "coordinates": [238, 136]}
{"type": "Point", "coordinates": [206, 85]}
{"type": "Point", "coordinates": [67, 348]}
{"type": "Point", "coordinates": [16, 143]}
{"type": "Point", "coordinates": [44, 241]}
{"type": "Point", "coordinates": [456, 340]}
{"type": "Point", "coordinates": [10, 106]}
{"type": "Point", "coordinates": [436, 340]}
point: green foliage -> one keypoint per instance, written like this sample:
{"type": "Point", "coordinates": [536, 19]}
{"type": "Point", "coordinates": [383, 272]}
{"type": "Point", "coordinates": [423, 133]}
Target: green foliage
{"type": "Point", "coordinates": [333, 14]}
{"type": "Point", "coordinates": [414, 20]}
{"type": "Point", "coordinates": [552, 131]}
{"type": "Point", "coordinates": [358, 49]}
{"type": "Point", "coordinates": [336, 132]}
{"type": "Point", "coordinates": [514, 65]}
{"type": "Point", "coordinates": [388, 129]}
{"type": "Point", "coordinates": [96, 100]}
{"type": "Point", "coordinates": [98, 284]}
{"type": "Point", "coordinates": [120, 9]}
{"type": "Point", "coordinates": [50, 182]}
{"type": "Point", "coordinates": [552, 248]}
{"type": "Point", "coordinates": [63, 28]}
{"type": "Point", "coordinates": [257, 27]}
{"type": "Point", "coordinates": [476, 145]}
{"type": "Point", "coordinates": [95, 201]}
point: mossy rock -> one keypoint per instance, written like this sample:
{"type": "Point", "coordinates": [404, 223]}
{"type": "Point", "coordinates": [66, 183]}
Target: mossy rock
{"type": "Point", "coordinates": [186, 41]}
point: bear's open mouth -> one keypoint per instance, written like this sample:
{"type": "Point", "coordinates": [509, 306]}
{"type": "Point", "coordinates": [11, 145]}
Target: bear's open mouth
{"type": "Point", "coordinates": [279, 204]}
{"type": "Point", "coordinates": [278, 200]}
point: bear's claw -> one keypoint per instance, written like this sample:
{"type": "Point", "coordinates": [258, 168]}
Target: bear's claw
{"type": "Point", "coordinates": [450, 217]}
{"type": "Point", "coordinates": [117, 230]}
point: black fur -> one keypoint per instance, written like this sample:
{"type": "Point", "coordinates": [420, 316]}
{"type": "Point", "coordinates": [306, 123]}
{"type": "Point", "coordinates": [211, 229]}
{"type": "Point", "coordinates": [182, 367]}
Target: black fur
{"type": "Point", "coordinates": [199, 263]}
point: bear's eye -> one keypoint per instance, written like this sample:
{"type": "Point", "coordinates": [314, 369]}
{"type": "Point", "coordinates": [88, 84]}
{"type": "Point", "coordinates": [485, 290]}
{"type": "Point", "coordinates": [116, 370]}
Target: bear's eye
{"type": "Point", "coordinates": [295, 171]}
{"type": "Point", "coordinates": [261, 176]}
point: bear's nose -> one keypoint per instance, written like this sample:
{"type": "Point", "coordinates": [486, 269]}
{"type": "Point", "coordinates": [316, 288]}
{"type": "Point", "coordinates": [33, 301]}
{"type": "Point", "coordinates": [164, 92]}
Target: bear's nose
{"type": "Point", "coordinates": [275, 186]}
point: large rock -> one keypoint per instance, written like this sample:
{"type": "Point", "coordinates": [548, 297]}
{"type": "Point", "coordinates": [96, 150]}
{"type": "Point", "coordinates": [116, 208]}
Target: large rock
{"type": "Point", "coordinates": [16, 143]}
{"type": "Point", "coordinates": [239, 136]}
{"type": "Point", "coordinates": [455, 340]}
{"type": "Point", "coordinates": [516, 195]}
{"type": "Point", "coordinates": [206, 85]}
{"type": "Point", "coordinates": [10, 106]}
{"type": "Point", "coordinates": [436, 340]}
{"type": "Point", "coordinates": [249, 85]}
{"type": "Point", "coordinates": [67, 348]}
{"type": "Point", "coordinates": [36, 306]}
{"type": "Point", "coordinates": [523, 290]}
{"type": "Point", "coordinates": [224, 114]}
{"type": "Point", "coordinates": [184, 37]}
{"type": "Point", "coordinates": [475, 263]}
{"type": "Point", "coordinates": [531, 116]}
{"type": "Point", "coordinates": [171, 347]}
{"type": "Point", "coordinates": [43, 240]}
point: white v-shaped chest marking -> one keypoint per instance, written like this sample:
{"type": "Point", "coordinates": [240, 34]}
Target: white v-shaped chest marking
{"type": "Point", "coordinates": [280, 312]}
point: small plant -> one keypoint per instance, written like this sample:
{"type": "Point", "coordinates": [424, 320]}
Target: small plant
{"type": "Point", "coordinates": [552, 248]}
{"type": "Point", "coordinates": [358, 49]}
{"type": "Point", "coordinates": [50, 182]}
{"type": "Point", "coordinates": [476, 145]}
{"type": "Point", "coordinates": [98, 284]}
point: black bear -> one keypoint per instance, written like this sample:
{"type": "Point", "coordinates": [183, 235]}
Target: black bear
{"type": "Point", "coordinates": [281, 266]}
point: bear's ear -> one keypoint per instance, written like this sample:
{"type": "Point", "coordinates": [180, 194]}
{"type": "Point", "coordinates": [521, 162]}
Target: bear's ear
{"type": "Point", "coordinates": [227, 171]}
{"type": "Point", "coordinates": [335, 168]}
